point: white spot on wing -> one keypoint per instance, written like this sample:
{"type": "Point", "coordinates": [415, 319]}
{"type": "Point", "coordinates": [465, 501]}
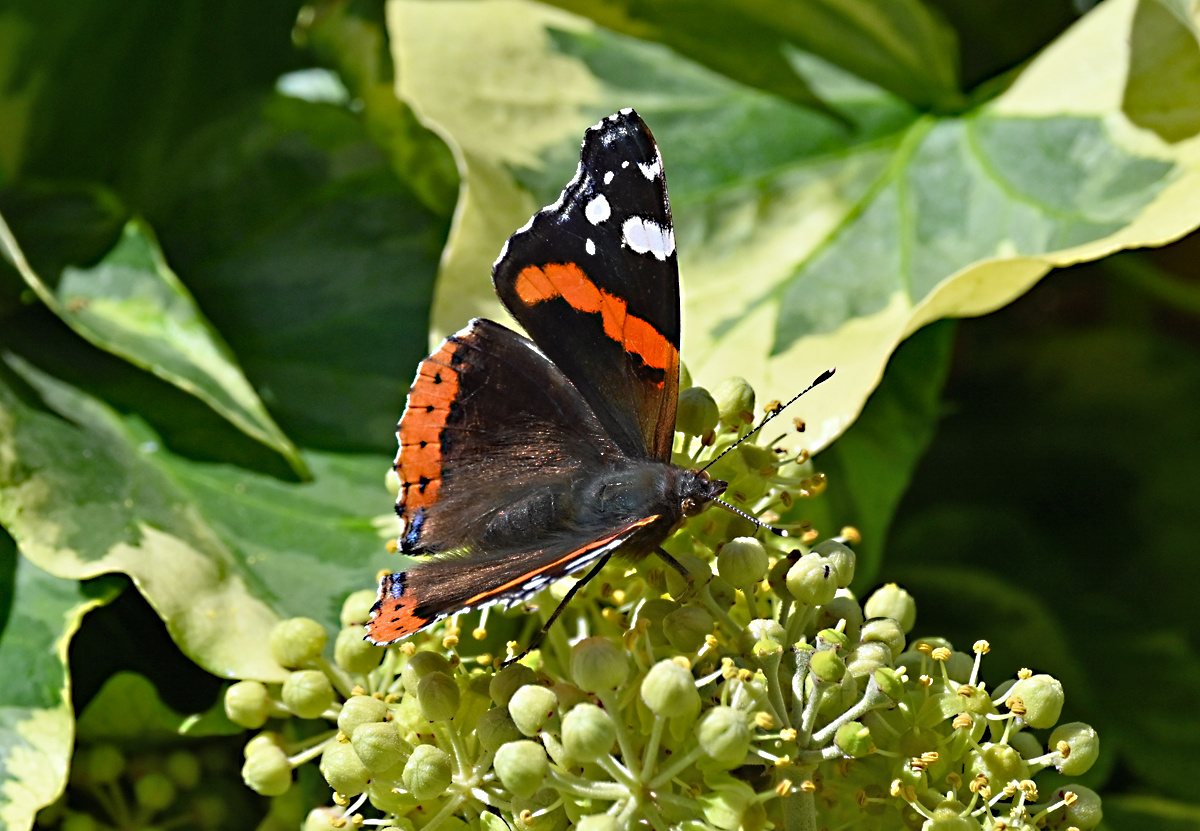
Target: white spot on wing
{"type": "Point", "coordinates": [627, 111]}
{"type": "Point", "coordinates": [608, 177]}
{"type": "Point", "coordinates": [624, 165]}
{"type": "Point", "coordinates": [590, 246]}
{"type": "Point", "coordinates": [653, 170]}
{"type": "Point", "coordinates": [645, 236]}
{"type": "Point", "coordinates": [597, 210]}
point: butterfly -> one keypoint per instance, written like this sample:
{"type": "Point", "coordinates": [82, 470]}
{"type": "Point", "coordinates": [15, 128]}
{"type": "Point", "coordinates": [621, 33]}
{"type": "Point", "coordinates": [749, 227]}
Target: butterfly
{"type": "Point", "coordinates": [523, 460]}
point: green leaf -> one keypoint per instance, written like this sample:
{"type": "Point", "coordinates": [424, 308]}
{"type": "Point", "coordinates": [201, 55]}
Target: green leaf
{"type": "Point", "coordinates": [1163, 89]}
{"type": "Point", "coordinates": [1131, 812]}
{"type": "Point", "coordinates": [868, 469]}
{"type": "Point", "coordinates": [803, 243]}
{"type": "Point", "coordinates": [37, 725]}
{"type": "Point", "coordinates": [129, 709]}
{"type": "Point", "coordinates": [902, 46]}
{"type": "Point", "coordinates": [133, 305]}
{"type": "Point", "coordinates": [220, 553]}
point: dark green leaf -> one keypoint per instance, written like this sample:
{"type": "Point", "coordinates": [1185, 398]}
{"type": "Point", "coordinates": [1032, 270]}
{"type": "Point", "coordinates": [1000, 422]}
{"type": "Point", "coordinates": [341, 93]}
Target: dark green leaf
{"type": "Point", "coordinates": [129, 709]}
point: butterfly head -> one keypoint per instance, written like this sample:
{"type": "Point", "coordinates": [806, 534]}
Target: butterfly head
{"type": "Point", "coordinates": [698, 489]}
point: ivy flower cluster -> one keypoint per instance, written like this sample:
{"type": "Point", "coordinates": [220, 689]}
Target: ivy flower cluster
{"type": "Point", "coordinates": [763, 695]}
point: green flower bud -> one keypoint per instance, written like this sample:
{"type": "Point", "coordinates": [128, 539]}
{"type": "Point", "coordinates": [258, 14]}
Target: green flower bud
{"type": "Point", "coordinates": [687, 627]}
{"type": "Point", "coordinates": [894, 602]}
{"type": "Point", "coordinates": [264, 738]}
{"type": "Point", "coordinates": [307, 693]}
{"type": "Point", "coordinates": [723, 594]}
{"type": "Point", "coordinates": [420, 665]}
{"type": "Point", "coordinates": [297, 641]}
{"type": "Point", "coordinates": [321, 819]}
{"type": "Point", "coordinates": [839, 609]}
{"type": "Point", "coordinates": [699, 570]}
{"type": "Point", "coordinates": [541, 806]}
{"type": "Point", "coordinates": [588, 732]}
{"type": "Point", "coordinates": [697, 412]}
{"type": "Point", "coordinates": [766, 650]}
{"type": "Point", "coordinates": [597, 822]}
{"type": "Point", "coordinates": [1082, 747]}
{"type": "Point", "coordinates": [360, 709]}
{"type": "Point", "coordinates": [1085, 814]}
{"type": "Point", "coordinates": [724, 735]}
{"type": "Point", "coordinates": [743, 562]}
{"type": "Point", "coordinates": [508, 680]}
{"type": "Point", "coordinates": [1043, 698]}
{"type": "Point", "coordinates": [343, 770]}
{"type": "Point", "coordinates": [669, 690]}
{"type": "Point", "coordinates": [854, 739]}
{"type": "Point", "coordinates": [531, 707]}
{"type": "Point", "coordinates": [184, 769]}
{"type": "Point", "coordinates": [726, 804]}
{"type": "Point", "coordinates": [522, 767]}
{"type": "Point", "coordinates": [765, 629]}
{"type": "Point", "coordinates": [496, 727]}
{"type": "Point", "coordinates": [865, 658]}
{"type": "Point", "coordinates": [735, 402]}
{"type": "Point", "coordinates": [831, 638]}
{"type": "Point", "coordinates": [1026, 744]}
{"type": "Point", "coordinates": [427, 773]}
{"type": "Point", "coordinates": [267, 771]}
{"type": "Point", "coordinates": [887, 631]}
{"type": "Point", "coordinates": [154, 792]}
{"type": "Point", "coordinates": [356, 608]}
{"type": "Point", "coordinates": [948, 816]}
{"type": "Point", "coordinates": [247, 704]}
{"type": "Point", "coordinates": [438, 697]}
{"type": "Point", "coordinates": [842, 557]}
{"type": "Point", "coordinates": [813, 580]}
{"type": "Point", "coordinates": [354, 654]}
{"type": "Point", "coordinates": [827, 666]}
{"type": "Point", "coordinates": [1000, 763]}
{"type": "Point", "coordinates": [597, 665]}
{"type": "Point", "coordinates": [378, 745]}
{"type": "Point", "coordinates": [105, 764]}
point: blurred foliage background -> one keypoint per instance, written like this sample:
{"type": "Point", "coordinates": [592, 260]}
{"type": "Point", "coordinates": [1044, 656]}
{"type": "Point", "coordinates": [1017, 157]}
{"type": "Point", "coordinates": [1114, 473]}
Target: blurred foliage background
{"type": "Point", "coordinates": [232, 264]}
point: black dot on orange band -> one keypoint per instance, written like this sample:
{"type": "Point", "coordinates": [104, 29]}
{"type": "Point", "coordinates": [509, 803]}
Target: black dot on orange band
{"type": "Point", "coordinates": [437, 379]}
{"type": "Point", "coordinates": [430, 408]}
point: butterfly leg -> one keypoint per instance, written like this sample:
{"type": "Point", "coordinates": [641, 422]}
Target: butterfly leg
{"type": "Point", "coordinates": [537, 639]}
{"type": "Point", "coordinates": [681, 568]}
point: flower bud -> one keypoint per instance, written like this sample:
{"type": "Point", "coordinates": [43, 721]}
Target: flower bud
{"type": "Point", "coordinates": [297, 641]}
{"type": "Point", "coordinates": [826, 665]}
{"type": "Point", "coordinates": [267, 771]}
{"type": "Point", "coordinates": [813, 580]}
{"type": "Point", "coordinates": [669, 690]}
{"type": "Point", "coordinates": [1083, 746]}
{"type": "Point", "coordinates": [839, 609]}
{"type": "Point", "coordinates": [496, 727]}
{"type": "Point", "coordinates": [697, 412]}
{"type": "Point", "coordinates": [854, 739]}
{"type": "Point", "coordinates": [1043, 698]}
{"type": "Point", "coordinates": [184, 769]}
{"type": "Point", "coordinates": [544, 809]}
{"type": "Point", "coordinates": [766, 650]}
{"type": "Point", "coordinates": [597, 665]}
{"type": "Point", "coordinates": [687, 627]}
{"type": "Point", "coordinates": [360, 709]}
{"type": "Point", "coordinates": [321, 819]}
{"type": "Point", "coordinates": [598, 822]}
{"type": "Point", "coordinates": [522, 767]}
{"type": "Point", "coordinates": [887, 631]}
{"type": "Point", "coordinates": [1085, 814]}
{"type": "Point", "coordinates": [865, 658]}
{"type": "Point", "coordinates": [343, 770]}
{"type": "Point", "coordinates": [438, 697]}
{"type": "Point", "coordinates": [378, 745]}
{"type": "Point", "coordinates": [735, 402]}
{"type": "Point", "coordinates": [842, 557]}
{"type": "Point", "coordinates": [307, 693]}
{"type": "Point", "coordinates": [765, 629]}
{"type": "Point", "coordinates": [531, 707]}
{"type": "Point", "coordinates": [894, 602]}
{"type": "Point", "coordinates": [354, 654]}
{"type": "Point", "coordinates": [998, 762]}
{"type": "Point", "coordinates": [508, 680]}
{"type": "Point", "coordinates": [588, 732]}
{"type": "Point", "coordinates": [356, 608]}
{"type": "Point", "coordinates": [427, 772]}
{"type": "Point", "coordinates": [106, 764]}
{"type": "Point", "coordinates": [726, 804]}
{"type": "Point", "coordinates": [743, 562]}
{"type": "Point", "coordinates": [155, 792]}
{"type": "Point", "coordinates": [724, 735]}
{"type": "Point", "coordinates": [948, 816]}
{"type": "Point", "coordinates": [1025, 743]}
{"type": "Point", "coordinates": [889, 682]}
{"type": "Point", "coordinates": [247, 704]}
{"type": "Point", "coordinates": [265, 737]}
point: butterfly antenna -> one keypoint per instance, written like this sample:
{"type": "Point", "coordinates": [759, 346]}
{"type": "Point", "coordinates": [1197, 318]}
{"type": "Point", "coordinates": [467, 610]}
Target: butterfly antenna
{"type": "Point", "coordinates": [821, 379]}
{"type": "Point", "coordinates": [777, 531]}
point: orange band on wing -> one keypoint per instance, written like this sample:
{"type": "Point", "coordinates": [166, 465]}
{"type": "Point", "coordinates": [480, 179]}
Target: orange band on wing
{"type": "Point", "coordinates": [567, 280]}
{"type": "Point", "coordinates": [529, 575]}
{"type": "Point", "coordinates": [419, 464]}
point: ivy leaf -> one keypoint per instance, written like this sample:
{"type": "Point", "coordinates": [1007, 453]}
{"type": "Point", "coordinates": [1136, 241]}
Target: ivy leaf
{"type": "Point", "coordinates": [133, 305]}
{"type": "Point", "coordinates": [804, 243]}
{"type": "Point", "coordinates": [219, 552]}
{"type": "Point", "coordinates": [37, 724]}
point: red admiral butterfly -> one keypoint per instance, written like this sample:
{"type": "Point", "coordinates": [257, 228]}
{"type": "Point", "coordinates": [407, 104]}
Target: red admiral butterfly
{"type": "Point", "coordinates": [523, 461]}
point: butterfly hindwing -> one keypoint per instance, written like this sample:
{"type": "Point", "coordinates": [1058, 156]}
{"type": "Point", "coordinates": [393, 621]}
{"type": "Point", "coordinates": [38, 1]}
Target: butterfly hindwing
{"type": "Point", "coordinates": [594, 280]}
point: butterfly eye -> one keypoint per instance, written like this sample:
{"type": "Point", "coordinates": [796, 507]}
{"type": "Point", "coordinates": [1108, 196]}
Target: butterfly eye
{"type": "Point", "coordinates": [690, 507]}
